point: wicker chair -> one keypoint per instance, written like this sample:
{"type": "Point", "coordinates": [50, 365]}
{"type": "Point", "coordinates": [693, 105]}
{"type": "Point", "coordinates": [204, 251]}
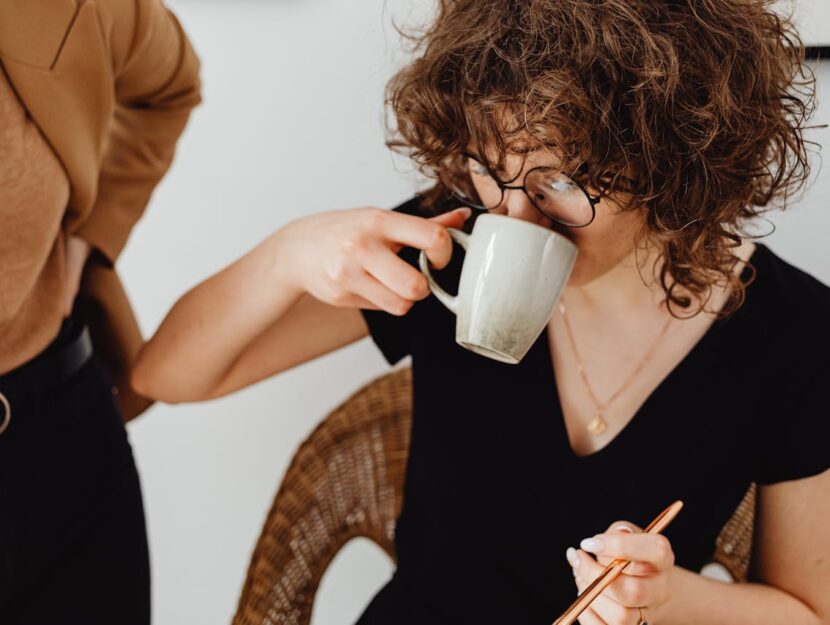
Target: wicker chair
{"type": "Point", "coordinates": [346, 481]}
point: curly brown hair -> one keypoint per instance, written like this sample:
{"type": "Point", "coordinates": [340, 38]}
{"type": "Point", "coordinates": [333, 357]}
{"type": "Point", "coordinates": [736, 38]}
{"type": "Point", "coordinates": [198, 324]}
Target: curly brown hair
{"type": "Point", "coordinates": [693, 109]}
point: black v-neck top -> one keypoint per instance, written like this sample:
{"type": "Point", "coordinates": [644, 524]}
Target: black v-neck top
{"type": "Point", "coordinates": [494, 493]}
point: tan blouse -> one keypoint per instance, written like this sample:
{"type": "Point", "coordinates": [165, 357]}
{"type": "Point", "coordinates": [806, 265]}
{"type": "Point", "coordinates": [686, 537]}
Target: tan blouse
{"type": "Point", "coordinates": [34, 191]}
{"type": "Point", "coordinates": [110, 85]}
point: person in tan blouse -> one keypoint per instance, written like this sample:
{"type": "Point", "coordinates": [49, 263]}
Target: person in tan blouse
{"type": "Point", "coordinates": [93, 97]}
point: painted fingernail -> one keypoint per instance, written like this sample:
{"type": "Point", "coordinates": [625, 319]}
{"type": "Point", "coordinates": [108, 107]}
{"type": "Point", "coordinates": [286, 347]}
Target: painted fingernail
{"type": "Point", "coordinates": [594, 545]}
{"type": "Point", "coordinates": [573, 559]}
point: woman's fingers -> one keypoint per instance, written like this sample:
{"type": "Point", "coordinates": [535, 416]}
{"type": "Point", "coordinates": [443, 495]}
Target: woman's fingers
{"type": "Point", "coordinates": [355, 301]}
{"type": "Point", "coordinates": [635, 568]}
{"type": "Point", "coordinates": [429, 235]}
{"type": "Point", "coordinates": [627, 591]}
{"type": "Point", "coordinates": [653, 549]}
{"type": "Point", "coordinates": [454, 218]}
{"type": "Point", "coordinates": [614, 613]}
{"type": "Point", "coordinates": [589, 617]}
{"type": "Point", "coordinates": [364, 267]}
{"type": "Point", "coordinates": [397, 274]}
{"type": "Point", "coordinates": [369, 289]}
{"type": "Point", "coordinates": [623, 527]}
{"type": "Point", "coordinates": [440, 257]}
{"type": "Point", "coordinates": [644, 582]}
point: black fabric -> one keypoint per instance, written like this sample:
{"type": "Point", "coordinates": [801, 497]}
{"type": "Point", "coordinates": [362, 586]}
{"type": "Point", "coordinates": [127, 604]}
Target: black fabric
{"type": "Point", "coordinates": [73, 547]}
{"type": "Point", "coordinates": [494, 494]}
{"type": "Point", "coordinates": [67, 353]}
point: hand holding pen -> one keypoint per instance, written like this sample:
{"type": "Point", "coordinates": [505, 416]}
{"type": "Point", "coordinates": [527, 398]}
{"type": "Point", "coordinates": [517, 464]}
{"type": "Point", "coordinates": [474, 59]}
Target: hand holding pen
{"type": "Point", "coordinates": [630, 577]}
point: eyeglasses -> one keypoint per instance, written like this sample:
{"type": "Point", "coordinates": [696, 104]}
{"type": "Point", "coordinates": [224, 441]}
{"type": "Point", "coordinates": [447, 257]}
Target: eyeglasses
{"type": "Point", "coordinates": [554, 194]}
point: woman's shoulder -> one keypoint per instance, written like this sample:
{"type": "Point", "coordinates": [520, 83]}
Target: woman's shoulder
{"type": "Point", "coordinates": [791, 304]}
{"type": "Point", "coordinates": [792, 288]}
{"type": "Point", "coordinates": [791, 346]}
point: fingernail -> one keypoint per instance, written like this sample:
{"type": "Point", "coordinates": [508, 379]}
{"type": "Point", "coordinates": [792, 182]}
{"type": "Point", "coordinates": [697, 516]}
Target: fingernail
{"type": "Point", "coordinates": [573, 559]}
{"type": "Point", "coordinates": [594, 545]}
{"type": "Point", "coordinates": [466, 212]}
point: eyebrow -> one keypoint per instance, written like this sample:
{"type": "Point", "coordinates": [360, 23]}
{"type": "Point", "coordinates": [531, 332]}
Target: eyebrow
{"type": "Point", "coordinates": [525, 151]}
{"type": "Point", "coordinates": [518, 149]}
{"type": "Point", "coordinates": [482, 162]}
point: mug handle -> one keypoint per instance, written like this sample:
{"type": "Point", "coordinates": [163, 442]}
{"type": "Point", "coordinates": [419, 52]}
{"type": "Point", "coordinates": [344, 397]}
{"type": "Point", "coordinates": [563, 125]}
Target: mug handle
{"type": "Point", "coordinates": [450, 301]}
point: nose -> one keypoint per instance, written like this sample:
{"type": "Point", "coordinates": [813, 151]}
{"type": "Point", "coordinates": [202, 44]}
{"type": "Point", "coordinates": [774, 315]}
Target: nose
{"type": "Point", "coordinates": [517, 204]}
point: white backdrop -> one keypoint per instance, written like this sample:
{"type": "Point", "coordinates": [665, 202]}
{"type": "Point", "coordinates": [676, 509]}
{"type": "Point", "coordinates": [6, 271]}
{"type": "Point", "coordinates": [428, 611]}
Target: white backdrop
{"type": "Point", "coordinates": [814, 17]}
{"type": "Point", "coordinates": [290, 125]}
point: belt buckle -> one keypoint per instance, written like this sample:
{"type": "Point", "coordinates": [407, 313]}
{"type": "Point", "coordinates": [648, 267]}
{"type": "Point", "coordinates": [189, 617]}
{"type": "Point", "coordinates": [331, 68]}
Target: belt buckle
{"type": "Point", "coordinates": [7, 413]}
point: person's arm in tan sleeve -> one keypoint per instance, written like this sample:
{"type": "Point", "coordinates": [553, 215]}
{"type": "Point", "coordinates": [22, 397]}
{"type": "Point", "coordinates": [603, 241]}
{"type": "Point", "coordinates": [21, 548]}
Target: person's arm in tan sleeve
{"type": "Point", "coordinates": [156, 74]}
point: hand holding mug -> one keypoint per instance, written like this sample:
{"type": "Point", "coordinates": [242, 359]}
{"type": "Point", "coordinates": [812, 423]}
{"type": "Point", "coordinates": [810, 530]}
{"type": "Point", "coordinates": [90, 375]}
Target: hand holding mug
{"type": "Point", "coordinates": [350, 258]}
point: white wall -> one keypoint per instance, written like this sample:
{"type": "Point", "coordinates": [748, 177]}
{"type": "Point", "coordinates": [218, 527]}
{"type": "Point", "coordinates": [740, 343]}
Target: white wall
{"type": "Point", "coordinates": [814, 17]}
{"type": "Point", "coordinates": [291, 87]}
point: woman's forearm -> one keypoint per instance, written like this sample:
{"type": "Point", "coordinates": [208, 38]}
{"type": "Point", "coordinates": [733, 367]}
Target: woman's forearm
{"type": "Point", "coordinates": [233, 329]}
{"type": "Point", "coordinates": [697, 600]}
{"type": "Point", "coordinates": [209, 327]}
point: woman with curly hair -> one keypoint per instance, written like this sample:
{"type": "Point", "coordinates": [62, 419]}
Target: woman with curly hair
{"type": "Point", "coordinates": [685, 360]}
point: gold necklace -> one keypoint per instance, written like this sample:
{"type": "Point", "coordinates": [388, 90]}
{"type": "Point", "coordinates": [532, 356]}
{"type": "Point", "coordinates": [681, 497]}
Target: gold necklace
{"type": "Point", "coordinates": [598, 424]}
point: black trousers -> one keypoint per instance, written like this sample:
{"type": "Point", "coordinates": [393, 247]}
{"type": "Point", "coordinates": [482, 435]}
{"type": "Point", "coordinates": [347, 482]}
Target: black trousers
{"type": "Point", "coordinates": [73, 544]}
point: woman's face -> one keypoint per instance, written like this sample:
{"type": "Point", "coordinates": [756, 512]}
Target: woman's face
{"type": "Point", "coordinates": [604, 241]}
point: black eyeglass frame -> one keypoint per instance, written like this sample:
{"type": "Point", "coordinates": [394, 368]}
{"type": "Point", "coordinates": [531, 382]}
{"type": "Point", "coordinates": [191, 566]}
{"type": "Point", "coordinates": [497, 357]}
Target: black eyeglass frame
{"type": "Point", "coordinates": [593, 200]}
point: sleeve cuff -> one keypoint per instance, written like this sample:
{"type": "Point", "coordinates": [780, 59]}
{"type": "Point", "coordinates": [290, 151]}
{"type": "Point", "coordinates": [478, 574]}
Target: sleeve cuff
{"type": "Point", "coordinates": [385, 330]}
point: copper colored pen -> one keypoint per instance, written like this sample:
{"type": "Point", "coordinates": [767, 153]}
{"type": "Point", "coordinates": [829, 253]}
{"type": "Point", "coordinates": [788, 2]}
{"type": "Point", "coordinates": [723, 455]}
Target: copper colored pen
{"type": "Point", "coordinates": [613, 570]}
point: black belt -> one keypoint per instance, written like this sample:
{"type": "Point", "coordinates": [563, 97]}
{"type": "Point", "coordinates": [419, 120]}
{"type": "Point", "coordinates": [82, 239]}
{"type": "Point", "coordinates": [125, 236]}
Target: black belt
{"type": "Point", "coordinates": [56, 364]}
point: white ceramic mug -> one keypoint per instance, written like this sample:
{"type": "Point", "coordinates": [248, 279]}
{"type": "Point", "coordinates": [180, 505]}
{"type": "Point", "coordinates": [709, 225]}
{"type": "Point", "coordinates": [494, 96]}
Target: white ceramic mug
{"type": "Point", "coordinates": [511, 279]}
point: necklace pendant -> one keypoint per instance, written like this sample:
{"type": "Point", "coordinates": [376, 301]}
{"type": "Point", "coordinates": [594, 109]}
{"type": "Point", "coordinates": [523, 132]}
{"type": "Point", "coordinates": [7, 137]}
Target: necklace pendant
{"type": "Point", "coordinates": [597, 425]}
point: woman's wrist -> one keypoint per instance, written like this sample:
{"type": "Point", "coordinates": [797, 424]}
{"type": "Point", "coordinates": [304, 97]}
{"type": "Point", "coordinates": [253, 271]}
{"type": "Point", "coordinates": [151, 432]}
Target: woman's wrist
{"type": "Point", "coordinates": [284, 260]}
{"type": "Point", "coordinates": [661, 615]}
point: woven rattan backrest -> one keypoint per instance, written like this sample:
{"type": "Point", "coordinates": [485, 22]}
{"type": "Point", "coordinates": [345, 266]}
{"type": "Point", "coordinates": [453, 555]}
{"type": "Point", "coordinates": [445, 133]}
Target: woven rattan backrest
{"type": "Point", "coordinates": [346, 480]}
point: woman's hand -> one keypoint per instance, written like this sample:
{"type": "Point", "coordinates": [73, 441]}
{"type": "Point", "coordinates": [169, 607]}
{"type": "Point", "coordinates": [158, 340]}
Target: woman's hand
{"type": "Point", "coordinates": [349, 258]}
{"type": "Point", "coordinates": [77, 253]}
{"type": "Point", "coordinates": [290, 299]}
{"type": "Point", "coordinates": [645, 583]}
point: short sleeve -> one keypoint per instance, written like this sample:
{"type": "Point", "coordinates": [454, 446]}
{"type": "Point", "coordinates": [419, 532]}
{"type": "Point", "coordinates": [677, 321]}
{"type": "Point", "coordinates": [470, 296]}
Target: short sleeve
{"type": "Point", "coordinates": [390, 333]}
{"type": "Point", "coordinates": [799, 444]}
{"type": "Point", "coordinates": [393, 334]}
